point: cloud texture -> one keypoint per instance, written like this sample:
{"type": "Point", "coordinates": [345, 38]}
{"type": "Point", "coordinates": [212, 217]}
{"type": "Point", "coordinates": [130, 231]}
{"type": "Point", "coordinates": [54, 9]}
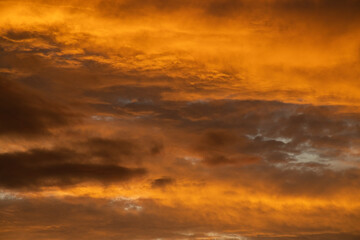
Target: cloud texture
{"type": "Point", "coordinates": [220, 119]}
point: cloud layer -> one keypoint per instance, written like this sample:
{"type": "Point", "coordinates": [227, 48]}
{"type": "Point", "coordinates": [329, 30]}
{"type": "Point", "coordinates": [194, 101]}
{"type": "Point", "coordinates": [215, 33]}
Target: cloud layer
{"type": "Point", "coordinates": [220, 119]}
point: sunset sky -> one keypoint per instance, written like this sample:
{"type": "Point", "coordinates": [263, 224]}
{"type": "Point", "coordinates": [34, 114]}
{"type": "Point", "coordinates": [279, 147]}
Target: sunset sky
{"type": "Point", "coordinates": [180, 120]}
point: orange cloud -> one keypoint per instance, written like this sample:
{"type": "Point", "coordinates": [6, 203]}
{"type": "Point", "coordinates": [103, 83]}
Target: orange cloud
{"type": "Point", "coordinates": [220, 119]}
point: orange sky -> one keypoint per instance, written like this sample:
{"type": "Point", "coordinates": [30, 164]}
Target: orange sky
{"type": "Point", "coordinates": [204, 119]}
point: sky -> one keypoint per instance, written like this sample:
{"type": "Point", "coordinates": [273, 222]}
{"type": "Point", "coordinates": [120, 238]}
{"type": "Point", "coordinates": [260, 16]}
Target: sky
{"type": "Point", "coordinates": [180, 120]}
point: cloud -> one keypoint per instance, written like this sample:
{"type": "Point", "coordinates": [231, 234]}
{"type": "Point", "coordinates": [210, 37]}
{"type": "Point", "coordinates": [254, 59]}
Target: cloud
{"type": "Point", "coordinates": [162, 182]}
{"type": "Point", "coordinates": [324, 236]}
{"type": "Point", "coordinates": [61, 167]}
{"type": "Point", "coordinates": [245, 112]}
{"type": "Point", "coordinates": [73, 217]}
{"type": "Point", "coordinates": [24, 112]}
{"type": "Point", "coordinates": [49, 217]}
{"type": "Point", "coordinates": [108, 149]}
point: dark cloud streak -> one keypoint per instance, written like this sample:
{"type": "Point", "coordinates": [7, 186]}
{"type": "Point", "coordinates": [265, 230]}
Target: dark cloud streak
{"type": "Point", "coordinates": [25, 113]}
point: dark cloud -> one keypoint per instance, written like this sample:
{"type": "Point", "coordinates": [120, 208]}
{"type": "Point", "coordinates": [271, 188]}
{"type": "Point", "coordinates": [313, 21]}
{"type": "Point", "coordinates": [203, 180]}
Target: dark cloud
{"type": "Point", "coordinates": [111, 149]}
{"type": "Point", "coordinates": [14, 35]}
{"type": "Point", "coordinates": [120, 150]}
{"type": "Point", "coordinates": [234, 131]}
{"type": "Point", "coordinates": [226, 8]}
{"type": "Point", "coordinates": [24, 112]}
{"type": "Point", "coordinates": [328, 9]}
{"type": "Point", "coordinates": [62, 167]}
{"type": "Point", "coordinates": [215, 139]}
{"type": "Point", "coordinates": [162, 182]}
{"type": "Point", "coordinates": [325, 8]}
